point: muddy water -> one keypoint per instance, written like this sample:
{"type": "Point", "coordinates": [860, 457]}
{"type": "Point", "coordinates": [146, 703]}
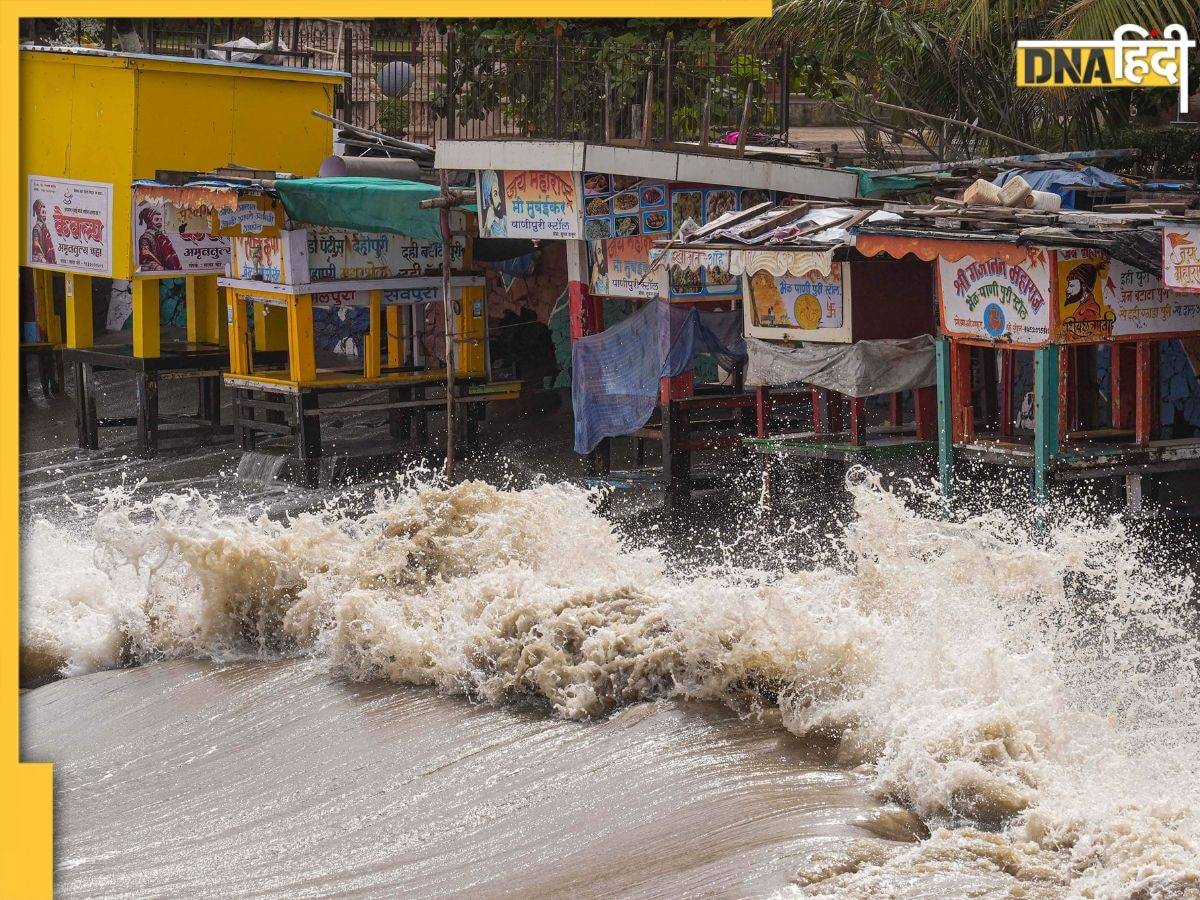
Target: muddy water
{"type": "Point", "coordinates": [269, 779]}
{"type": "Point", "coordinates": [429, 690]}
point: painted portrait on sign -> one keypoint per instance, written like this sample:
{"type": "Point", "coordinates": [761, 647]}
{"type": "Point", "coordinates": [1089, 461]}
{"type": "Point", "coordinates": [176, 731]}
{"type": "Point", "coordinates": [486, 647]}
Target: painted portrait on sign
{"type": "Point", "coordinates": [492, 209]}
{"type": "Point", "coordinates": [41, 244]}
{"type": "Point", "coordinates": [1083, 312]}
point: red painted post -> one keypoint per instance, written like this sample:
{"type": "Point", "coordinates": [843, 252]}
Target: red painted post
{"type": "Point", "coordinates": [815, 393]}
{"type": "Point", "coordinates": [896, 409]}
{"type": "Point", "coordinates": [858, 421]}
{"type": "Point", "coordinates": [762, 410]}
{"type": "Point", "coordinates": [1067, 395]}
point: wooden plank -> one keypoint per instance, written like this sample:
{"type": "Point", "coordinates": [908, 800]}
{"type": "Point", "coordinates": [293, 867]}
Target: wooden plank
{"type": "Point", "coordinates": [301, 350]}
{"type": "Point", "coordinates": [762, 410]}
{"type": "Point", "coordinates": [1007, 375]}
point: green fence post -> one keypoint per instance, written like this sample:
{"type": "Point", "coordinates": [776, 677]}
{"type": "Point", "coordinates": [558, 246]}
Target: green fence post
{"type": "Point", "coordinates": [945, 423]}
{"type": "Point", "coordinates": [1045, 411]}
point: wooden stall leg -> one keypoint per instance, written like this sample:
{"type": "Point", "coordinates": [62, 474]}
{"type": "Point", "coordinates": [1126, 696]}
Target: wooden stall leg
{"type": "Point", "coordinates": [1146, 418]}
{"type": "Point", "coordinates": [79, 310]}
{"type": "Point", "coordinates": [419, 419]}
{"type": "Point", "coordinates": [833, 411]}
{"type": "Point", "coordinates": [239, 336]}
{"type": "Point", "coordinates": [858, 421]}
{"type": "Point", "coordinates": [147, 329]}
{"type": "Point", "coordinates": [81, 423]}
{"type": "Point", "coordinates": [677, 460]}
{"type": "Point", "coordinates": [945, 416]}
{"type": "Point", "coordinates": [762, 410]}
{"type": "Point", "coordinates": [301, 348]}
{"type": "Point", "coordinates": [1007, 375]}
{"type": "Point", "coordinates": [146, 391]}
{"type": "Point", "coordinates": [308, 437]}
{"type": "Point", "coordinates": [1133, 492]}
{"type": "Point", "coordinates": [373, 341]}
{"type": "Point", "coordinates": [1045, 410]}
{"type": "Point", "coordinates": [398, 425]}
{"type": "Point", "coordinates": [896, 409]}
{"type": "Point", "coordinates": [243, 428]}
{"type": "Point", "coordinates": [815, 393]}
{"type": "Point", "coordinates": [214, 400]}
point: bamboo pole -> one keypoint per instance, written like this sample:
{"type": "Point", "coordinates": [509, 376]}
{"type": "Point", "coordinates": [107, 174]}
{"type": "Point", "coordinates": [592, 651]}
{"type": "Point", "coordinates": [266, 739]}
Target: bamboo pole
{"type": "Point", "coordinates": [960, 124]}
{"type": "Point", "coordinates": [448, 316]}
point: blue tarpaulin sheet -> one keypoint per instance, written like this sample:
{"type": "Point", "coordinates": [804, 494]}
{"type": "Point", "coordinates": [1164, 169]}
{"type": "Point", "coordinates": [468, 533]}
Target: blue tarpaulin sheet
{"type": "Point", "coordinates": [615, 374]}
{"type": "Point", "coordinates": [1061, 181]}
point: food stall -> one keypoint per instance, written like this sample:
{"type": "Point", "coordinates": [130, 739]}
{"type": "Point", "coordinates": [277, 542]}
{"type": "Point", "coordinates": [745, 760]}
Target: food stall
{"type": "Point", "coordinates": [359, 243]}
{"type": "Point", "coordinates": [1079, 313]}
{"type": "Point", "coordinates": [96, 122]}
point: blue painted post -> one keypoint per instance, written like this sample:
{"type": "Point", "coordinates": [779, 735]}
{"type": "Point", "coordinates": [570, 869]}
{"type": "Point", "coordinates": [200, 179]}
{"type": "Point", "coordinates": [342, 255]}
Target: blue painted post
{"type": "Point", "coordinates": [1045, 411]}
{"type": "Point", "coordinates": [945, 418]}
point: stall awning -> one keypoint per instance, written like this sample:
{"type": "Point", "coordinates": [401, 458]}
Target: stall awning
{"type": "Point", "coordinates": [362, 204]}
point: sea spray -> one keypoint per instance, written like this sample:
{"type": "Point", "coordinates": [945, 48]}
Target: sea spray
{"type": "Point", "coordinates": [1032, 697]}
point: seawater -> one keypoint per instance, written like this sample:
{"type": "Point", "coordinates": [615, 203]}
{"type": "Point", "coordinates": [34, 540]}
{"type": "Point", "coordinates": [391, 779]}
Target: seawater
{"type": "Point", "coordinates": [1027, 695]}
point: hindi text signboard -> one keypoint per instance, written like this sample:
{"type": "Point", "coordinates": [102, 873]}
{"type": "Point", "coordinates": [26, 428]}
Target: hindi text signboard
{"type": "Point", "coordinates": [169, 241]}
{"type": "Point", "coordinates": [70, 225]}
{"type": "Point", "coordinates": [808, 302]}
{"type": "Point", "coordinates": [996, 300]}
{"type": "Point", "coordinates": [1181, 257]}
{"type": "Point", "coordinates": [530, 204]}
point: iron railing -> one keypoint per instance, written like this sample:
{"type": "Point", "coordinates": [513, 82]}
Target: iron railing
{"type": "Point", "coordinates": [503, 87]}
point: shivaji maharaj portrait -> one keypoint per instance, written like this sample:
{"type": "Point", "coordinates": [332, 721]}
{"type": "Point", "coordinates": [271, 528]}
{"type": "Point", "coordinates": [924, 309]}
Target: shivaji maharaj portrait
{"type": "Point", "coordinates": [155, 253]}
{"type": "Point", "coordinates": [41, 245]}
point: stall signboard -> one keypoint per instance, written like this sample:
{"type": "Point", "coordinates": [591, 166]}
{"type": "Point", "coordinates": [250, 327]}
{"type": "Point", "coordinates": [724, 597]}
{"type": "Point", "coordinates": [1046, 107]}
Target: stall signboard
{"type": "Point", "coordinates": [530, 204]}
{"type": "Point", "coordinates": [1181, 257]}
{"type": "Point", "coordinates": [171, 241]}
{"type": "Point", "coordinates": [257, 216]}
{"type": "Point", "coordinates": [620, 267]}
{"type": "Point", "coordinates": [623, 206]}
{"type": "Point", "coordinates": [997, 300]}
{"type": "Point", "coordinates": [70, 225]}
{"type": "Point", "coordinates": [808, 302]}
{"type": "Point", "coordinates": [703, 204]}
{"type": "Point", "coordinates": [318, 253]}
{"type": "Point", "coordinates": [1100, 298]}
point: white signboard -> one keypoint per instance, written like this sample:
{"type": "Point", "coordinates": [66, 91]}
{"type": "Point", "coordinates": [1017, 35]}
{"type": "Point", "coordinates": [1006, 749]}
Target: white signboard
{"type": "Point", "coordinates": [530, 204]}
{"type": "Point", "coordinates": [1144, 306]}
{"type": "Point", "coordinates": [997, 300]}
{"type": "Point", "coordinates": [1181, 257]}
{"type": "Point", "coordinates": [167, 241]}
{"type": "Point", "coordinates": [806, 302]}
{"type": "Point", "coordinates": [70, 225]}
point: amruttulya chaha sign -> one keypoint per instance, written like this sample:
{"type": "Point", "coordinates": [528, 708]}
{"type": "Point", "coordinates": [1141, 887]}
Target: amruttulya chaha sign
{"type": "Point", "coordinates": [70, 225]}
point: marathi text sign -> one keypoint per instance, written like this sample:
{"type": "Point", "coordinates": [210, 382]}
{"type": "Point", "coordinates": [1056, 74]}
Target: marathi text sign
{"type": "Point", "coordinates": [997, 300]}
{"type": "Point", "coordinates": [336, 254]}
{"type": "Point", "coordinates": [621, 268]}
{"type": "Point", "coordinates": [331, 254]}
{"type": "Point", "coordinates": [166, 240]}
{"type": "Point", "coordinates": [70, 225]}
{"type": "Point", "coordinates": [1181, 257]}
{"type": "Point", "coordinates": [808, 302]}
{"type": "Point", "coordinates": [530, 204]}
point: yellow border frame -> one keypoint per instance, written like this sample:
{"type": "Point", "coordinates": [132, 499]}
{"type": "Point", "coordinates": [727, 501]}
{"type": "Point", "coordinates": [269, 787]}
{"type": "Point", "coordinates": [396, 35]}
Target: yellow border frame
{"type": "Point", "coordinates": [26, 842]}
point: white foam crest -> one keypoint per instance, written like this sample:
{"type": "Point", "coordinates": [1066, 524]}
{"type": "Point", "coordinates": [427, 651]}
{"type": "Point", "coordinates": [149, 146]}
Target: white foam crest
{"type": "Point", "coordinates": [994, 681]}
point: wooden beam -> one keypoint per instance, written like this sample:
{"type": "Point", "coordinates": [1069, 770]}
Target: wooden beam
{"type": "Point", "coordinates": [373, 339]}
{"type": "Point", "coordinates": [1146, 418]}
{"type": "Point", "coordinates": [147, 330]}
{"type": "Point", "coordinates": [79, 310]}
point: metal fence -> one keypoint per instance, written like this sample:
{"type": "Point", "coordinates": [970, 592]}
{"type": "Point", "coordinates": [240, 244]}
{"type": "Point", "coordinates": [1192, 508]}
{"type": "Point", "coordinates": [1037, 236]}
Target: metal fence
{"type": "Point", "coordinates": [496, 87]}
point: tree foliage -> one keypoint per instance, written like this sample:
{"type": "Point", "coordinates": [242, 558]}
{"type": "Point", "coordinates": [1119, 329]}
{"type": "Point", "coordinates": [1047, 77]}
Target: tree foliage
{"type": "Point", "coordinates": [956, 59]}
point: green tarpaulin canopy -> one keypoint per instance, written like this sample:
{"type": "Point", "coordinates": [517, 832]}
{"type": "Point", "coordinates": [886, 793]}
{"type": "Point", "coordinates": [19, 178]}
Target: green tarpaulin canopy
{"type": "Point", "coordinates": [362, 204]}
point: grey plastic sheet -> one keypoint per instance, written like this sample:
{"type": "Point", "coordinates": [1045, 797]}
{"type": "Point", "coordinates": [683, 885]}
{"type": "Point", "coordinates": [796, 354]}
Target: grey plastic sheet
{"type": "Point", "coordinates": [861, 369]}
